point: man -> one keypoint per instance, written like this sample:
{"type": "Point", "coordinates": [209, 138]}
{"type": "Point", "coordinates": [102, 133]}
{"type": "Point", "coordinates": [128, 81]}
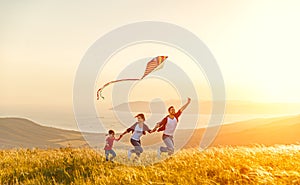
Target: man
{"type": "Point", "coordinates": [168, 125]}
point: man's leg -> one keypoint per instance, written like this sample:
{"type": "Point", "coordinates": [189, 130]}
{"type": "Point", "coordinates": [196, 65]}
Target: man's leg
{"type": "Point", "coordinates": [163, 148]}
{"type": "Point", "coordinates": [168, 140]}
{"type": "Point", "coordinates": [171, 146]}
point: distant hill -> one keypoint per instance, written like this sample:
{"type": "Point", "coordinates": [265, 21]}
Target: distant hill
{"type": "Point", "coordinates": [232, 107]}
{"type": "Point", "coordinates": [268, 131]}
{"type": "Point", "coordinates": [18, 132]}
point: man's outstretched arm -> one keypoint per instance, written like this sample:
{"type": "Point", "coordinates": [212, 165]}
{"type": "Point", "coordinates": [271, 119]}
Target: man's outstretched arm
{"type": "Point", "coordinates": [185, 105]}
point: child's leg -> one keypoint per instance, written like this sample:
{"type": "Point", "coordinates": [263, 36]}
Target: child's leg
{"type": "Point", "coordinates": [106, 155]}
{"type": "Point", "coordinates": [113, 153]}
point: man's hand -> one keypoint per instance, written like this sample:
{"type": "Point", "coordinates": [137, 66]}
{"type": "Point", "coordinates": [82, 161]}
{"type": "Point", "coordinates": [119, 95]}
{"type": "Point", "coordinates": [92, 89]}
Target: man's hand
{"type": "Point", "coordinates": [155, 128]}
{"type": "Point", "coordinates": [189, 100]}
{"type": "Point", "coordinates": [185, 105]}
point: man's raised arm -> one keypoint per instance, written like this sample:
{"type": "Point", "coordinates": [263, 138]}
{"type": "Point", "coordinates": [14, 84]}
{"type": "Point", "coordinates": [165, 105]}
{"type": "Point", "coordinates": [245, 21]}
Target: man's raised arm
{"type": "Point", "coordinates": [185, 105]}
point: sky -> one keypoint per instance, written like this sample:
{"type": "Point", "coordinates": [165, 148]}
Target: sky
{"type": "Point", "coordinates": [255, 44]}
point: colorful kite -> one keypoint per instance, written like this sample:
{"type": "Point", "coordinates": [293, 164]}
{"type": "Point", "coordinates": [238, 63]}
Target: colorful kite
{"type": "Point", "coordinates": [155, 64]}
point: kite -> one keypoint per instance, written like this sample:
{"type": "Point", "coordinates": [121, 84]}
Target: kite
{"type": "Point", "coordinates": [153, 65]}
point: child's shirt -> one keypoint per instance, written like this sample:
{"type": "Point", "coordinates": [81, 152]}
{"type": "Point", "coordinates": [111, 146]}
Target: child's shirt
{"type": "Point", "coordinates": [109, 143]}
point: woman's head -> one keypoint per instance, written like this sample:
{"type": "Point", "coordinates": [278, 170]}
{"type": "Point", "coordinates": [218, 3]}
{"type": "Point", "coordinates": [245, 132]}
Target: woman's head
{"type": "Point", "coordinates": [140, 117]}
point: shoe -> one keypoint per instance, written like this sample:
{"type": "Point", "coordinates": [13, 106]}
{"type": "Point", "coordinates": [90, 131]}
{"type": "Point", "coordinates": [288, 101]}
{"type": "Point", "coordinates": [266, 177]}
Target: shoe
{"type": "Point", "coordinates": [158, 153]}
{"type": "Point", "coordinates": [137, 159]}
{"type": "Point", "coordinates": [129, 154]}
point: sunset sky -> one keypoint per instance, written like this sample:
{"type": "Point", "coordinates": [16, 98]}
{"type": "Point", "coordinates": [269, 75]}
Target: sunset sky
{"type": "Point", "coordinates": [256, 44]}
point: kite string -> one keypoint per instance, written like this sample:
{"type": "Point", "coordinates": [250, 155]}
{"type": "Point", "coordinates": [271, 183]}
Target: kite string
{"type": "Point", "coordinates": [99, 92]}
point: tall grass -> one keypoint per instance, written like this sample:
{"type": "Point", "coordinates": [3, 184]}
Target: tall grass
{"type": "Point", "coordinates": [219, 165]}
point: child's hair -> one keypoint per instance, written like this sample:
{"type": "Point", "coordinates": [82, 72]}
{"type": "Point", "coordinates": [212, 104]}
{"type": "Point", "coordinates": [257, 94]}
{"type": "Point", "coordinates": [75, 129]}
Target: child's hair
{"type": "Point", "coordinates": [111, 132]}
{"type": "Point", "coordinates": [141, 115]}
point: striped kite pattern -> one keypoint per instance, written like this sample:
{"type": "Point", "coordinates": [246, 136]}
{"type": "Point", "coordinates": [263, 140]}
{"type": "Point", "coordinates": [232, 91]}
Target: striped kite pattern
{"type": "Point", "coordinates": [152, 65]}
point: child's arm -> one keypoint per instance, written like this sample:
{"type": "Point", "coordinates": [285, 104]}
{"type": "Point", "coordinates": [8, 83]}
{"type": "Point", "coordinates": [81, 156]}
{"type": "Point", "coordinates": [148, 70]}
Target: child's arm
{"type": "Point", "coordinates": [126, 131]}
{"type": "Point", "coordinates": [106, 142]}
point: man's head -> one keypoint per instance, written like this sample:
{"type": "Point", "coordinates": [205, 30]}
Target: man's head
{"type": "Point", "coordinates": [171, 110]}
{"type": "Point", "coordinates": [140, 117]}
{"type": "Point", "coordinates": [111, 132]}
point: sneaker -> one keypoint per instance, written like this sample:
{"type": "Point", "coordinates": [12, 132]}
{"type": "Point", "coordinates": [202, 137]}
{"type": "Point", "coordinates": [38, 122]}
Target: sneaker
{"type": "Point", "coordinates": [137, 159]}
{"type": "Point", "coordinates": [129, 154]}
{"type": "Point", "coordinates": [158, 153]}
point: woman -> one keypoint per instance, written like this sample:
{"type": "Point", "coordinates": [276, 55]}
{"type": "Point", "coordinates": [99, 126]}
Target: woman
{"type": "Point", "coordinates": [138, 129]}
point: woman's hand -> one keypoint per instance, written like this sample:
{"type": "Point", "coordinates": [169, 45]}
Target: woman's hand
{"type": "Point", "coordinates": [153, 130]}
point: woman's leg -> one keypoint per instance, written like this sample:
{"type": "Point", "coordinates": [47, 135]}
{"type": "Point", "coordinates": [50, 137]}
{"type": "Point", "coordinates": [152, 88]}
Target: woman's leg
{"type": "Point", "coordinates": [137, 147]}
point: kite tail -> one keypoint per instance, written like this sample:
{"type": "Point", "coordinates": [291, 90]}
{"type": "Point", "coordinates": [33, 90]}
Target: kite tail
{"type": "Point", "coordinates": [99, 92]}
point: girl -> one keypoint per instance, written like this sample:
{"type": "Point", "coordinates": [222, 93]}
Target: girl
{"type": "Point", "coordinates": [138, 129]}
{"type": "Point", "coordinates": [108, 146]}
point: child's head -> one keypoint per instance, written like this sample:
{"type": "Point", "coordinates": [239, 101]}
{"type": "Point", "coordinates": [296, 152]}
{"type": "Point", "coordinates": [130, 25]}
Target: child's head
{"type": "Point", "coordinates": [140, 117]}
{"type": "Point", "coordinates": [111, 133]}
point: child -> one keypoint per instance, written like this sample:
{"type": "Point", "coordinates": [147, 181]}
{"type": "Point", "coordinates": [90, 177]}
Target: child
{"type": "Point", "coordinates": [138, 129]}
{"type": "Point", "coordinates": [108, 146]}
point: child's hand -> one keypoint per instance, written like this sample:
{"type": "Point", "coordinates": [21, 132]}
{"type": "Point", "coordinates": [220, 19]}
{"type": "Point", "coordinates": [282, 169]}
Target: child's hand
{"type": "Point", "coordinates": [118, 139]}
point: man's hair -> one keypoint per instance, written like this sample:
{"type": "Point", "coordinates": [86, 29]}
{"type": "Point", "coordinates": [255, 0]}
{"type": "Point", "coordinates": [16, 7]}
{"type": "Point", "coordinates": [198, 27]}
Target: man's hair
{"type": "Point", "coordinates": [111, 132]}
{"type": "Point", "coordinates": [141, 115]}
{"type": "Point", "coordinates": [170, 108]}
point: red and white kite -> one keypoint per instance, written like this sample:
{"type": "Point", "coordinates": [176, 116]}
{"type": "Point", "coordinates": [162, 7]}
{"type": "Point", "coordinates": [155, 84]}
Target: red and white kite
{"type": "Point", "coordinates": [153, 65]}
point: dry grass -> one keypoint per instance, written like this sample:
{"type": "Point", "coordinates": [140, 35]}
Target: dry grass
{"type": "Point", "coordinates": [219, 165]}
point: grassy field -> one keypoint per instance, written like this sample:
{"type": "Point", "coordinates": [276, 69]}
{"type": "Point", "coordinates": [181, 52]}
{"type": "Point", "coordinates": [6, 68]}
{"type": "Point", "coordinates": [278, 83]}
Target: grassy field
{"type": "Point", "coordinates": [219, 165]}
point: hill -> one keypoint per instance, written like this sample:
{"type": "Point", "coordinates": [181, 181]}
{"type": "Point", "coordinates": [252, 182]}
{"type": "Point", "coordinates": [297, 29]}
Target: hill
{"type": "Point", "coordinates": [23, 133]}
{"type": "Point", "coordinates": [232, 107]}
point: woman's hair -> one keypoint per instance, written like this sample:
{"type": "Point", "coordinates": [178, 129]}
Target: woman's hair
{"type": "Point", "coordinates": [111, 132]}
{"type": "Point", "coordinates": [141, 115]}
